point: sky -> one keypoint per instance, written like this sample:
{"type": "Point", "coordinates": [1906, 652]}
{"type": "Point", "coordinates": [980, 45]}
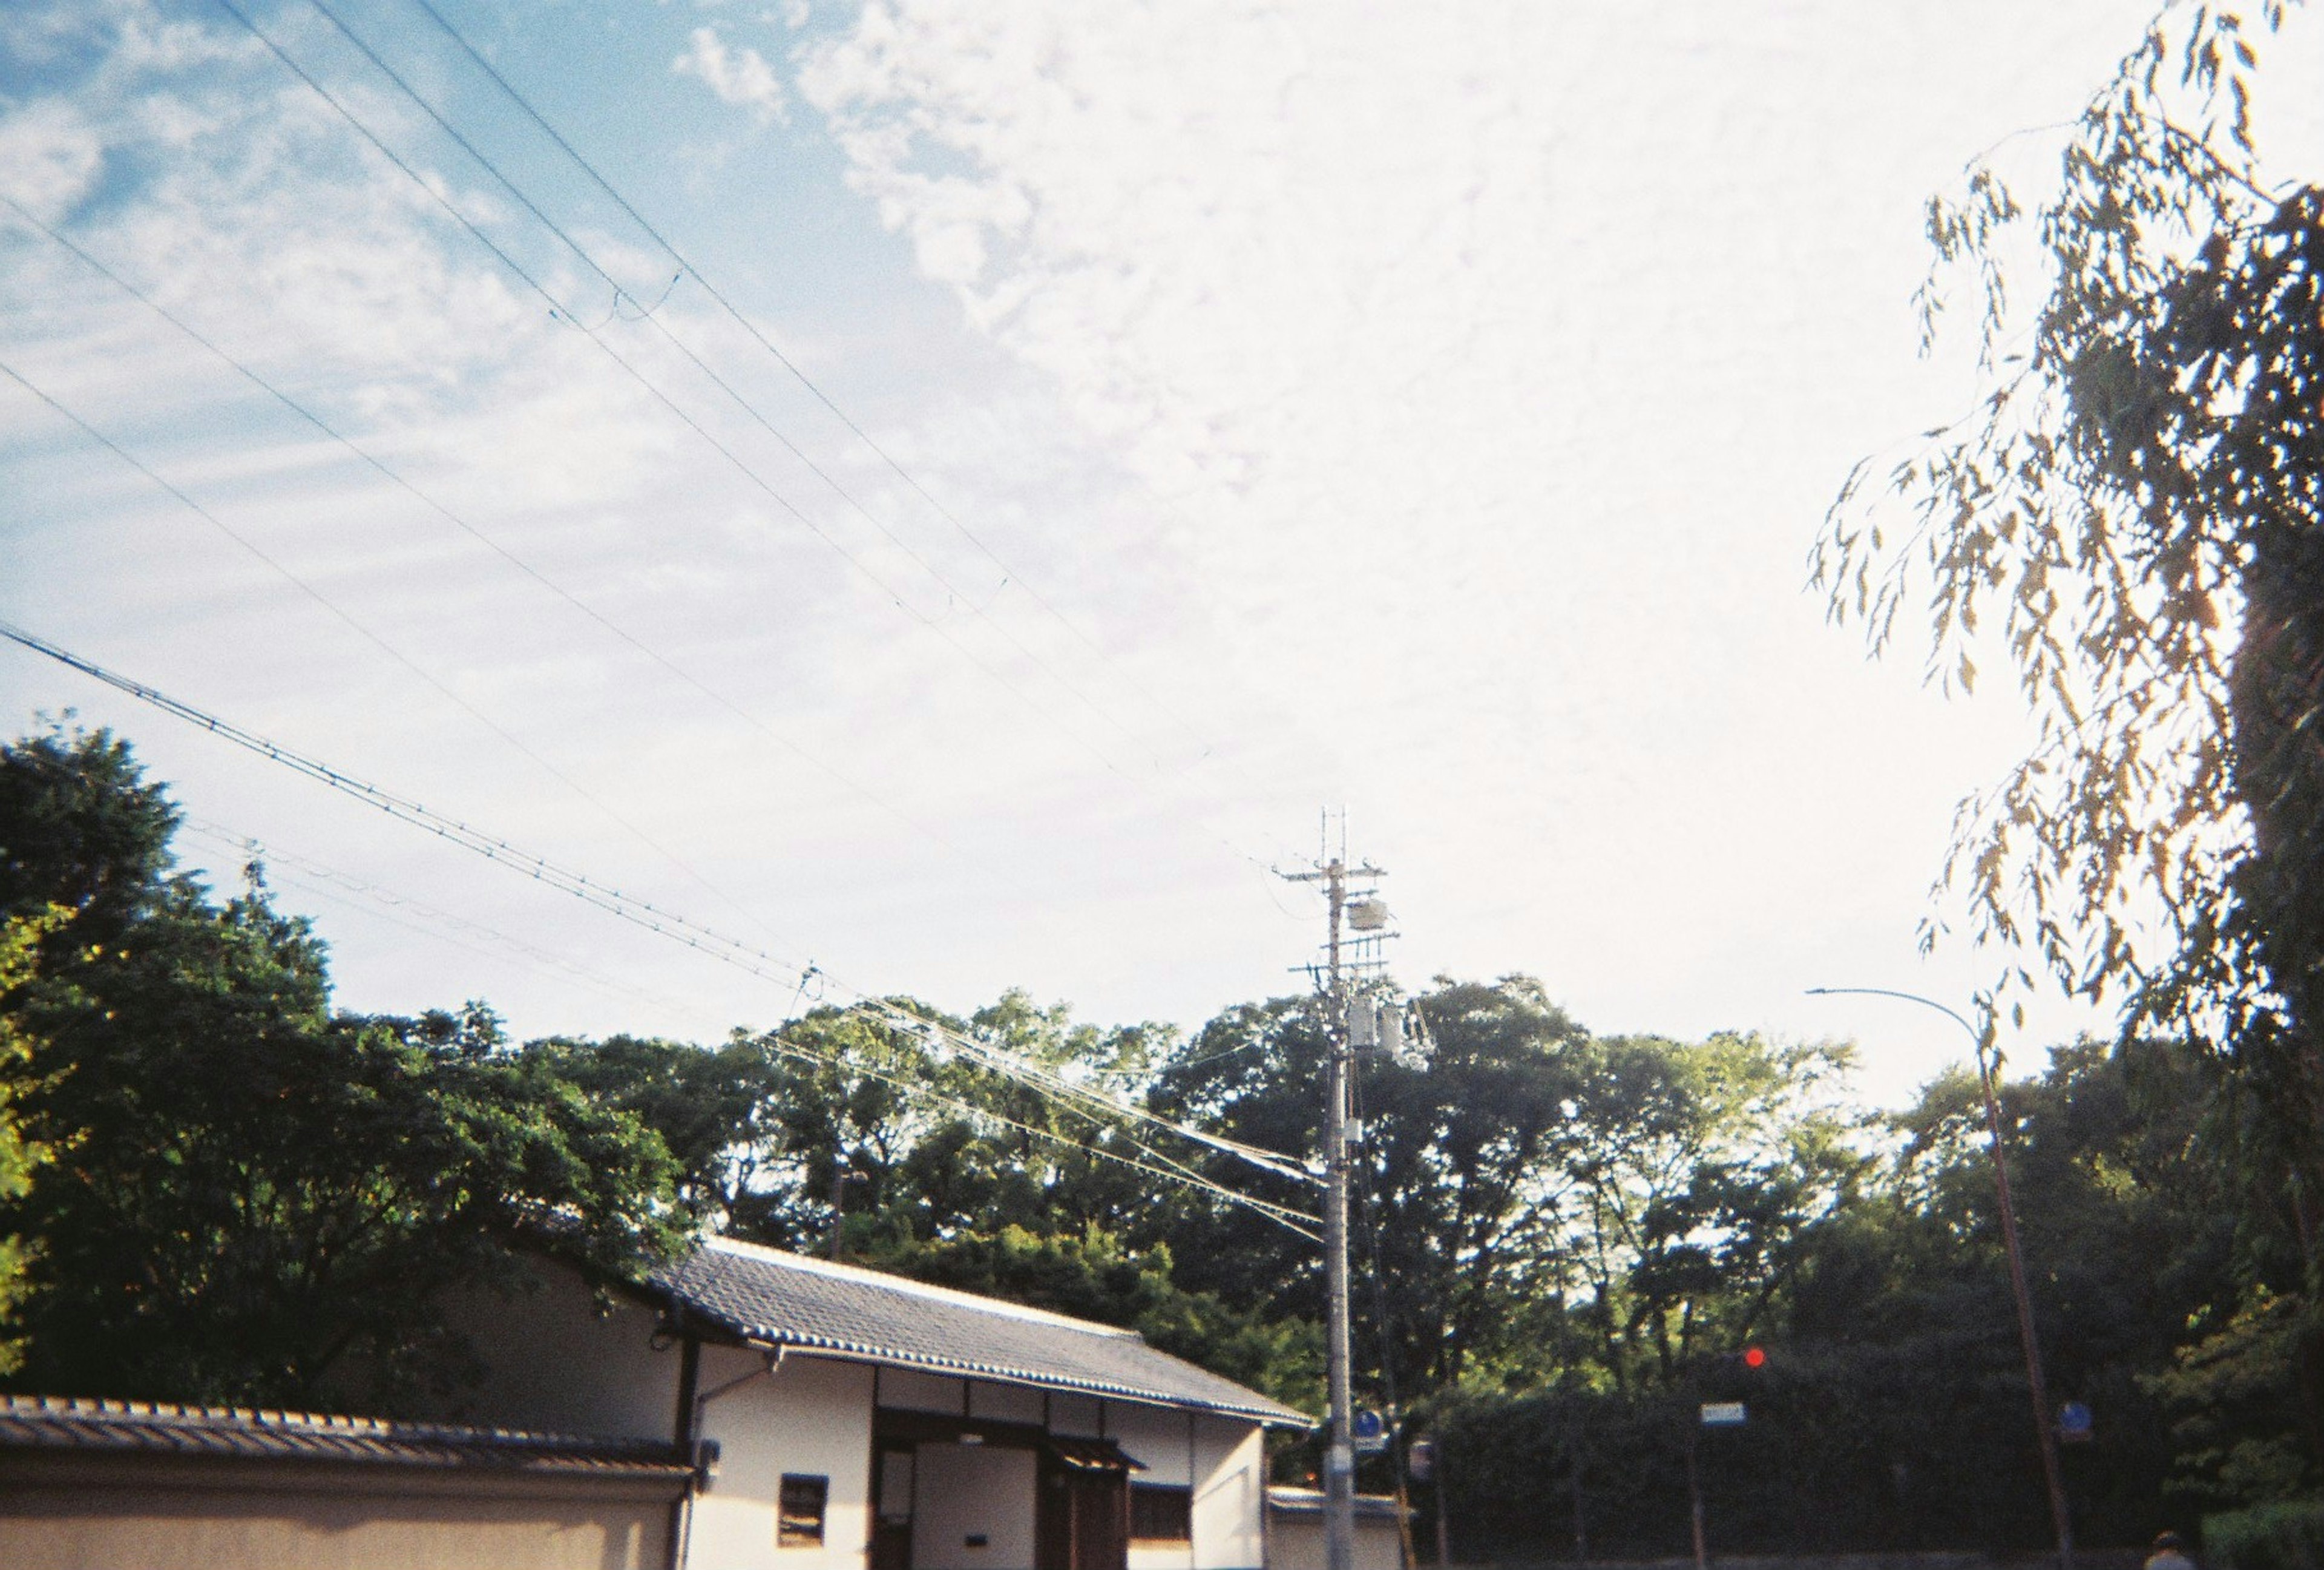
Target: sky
{"type": "Point", "coordinates": [994, 476]}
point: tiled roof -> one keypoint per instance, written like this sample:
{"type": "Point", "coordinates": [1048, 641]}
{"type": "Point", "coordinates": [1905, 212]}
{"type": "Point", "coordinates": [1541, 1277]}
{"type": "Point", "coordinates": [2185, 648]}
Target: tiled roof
{"type": "Point", "coordinates": [779, 1300]}
{"type": "Point", "coordinates": [60, 1423]}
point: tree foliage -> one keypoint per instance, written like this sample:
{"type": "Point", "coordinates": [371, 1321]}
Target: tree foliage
{"type": "Point", "coordinates": [2108, 514]}
{"type": "Point", "coordinates": [1558, 1234]}
{"type": "Point", "coordinates": [254, 1198]}
{"type": "Point", "coordinates": [19, 1155]}
{"type": "Point", "coordinates": [2136, 514]}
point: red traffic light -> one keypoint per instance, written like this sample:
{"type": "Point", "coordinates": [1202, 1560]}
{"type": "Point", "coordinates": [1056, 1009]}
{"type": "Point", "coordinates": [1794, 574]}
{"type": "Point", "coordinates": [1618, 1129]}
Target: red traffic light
{"type": "Point", "coordinates": [1755, 1357]}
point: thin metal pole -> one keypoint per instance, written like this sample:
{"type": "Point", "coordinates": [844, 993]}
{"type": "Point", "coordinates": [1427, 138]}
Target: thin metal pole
{"type": "Point", "coordinates": [2045, 1439]}
{"type": "Point", "coordinates": [2060, 1520]}
{"type": "Point", "coordinates": [1339, 1456]}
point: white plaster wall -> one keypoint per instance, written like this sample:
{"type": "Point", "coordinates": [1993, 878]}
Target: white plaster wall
{"type": "Point", "coordinates": [1157, 1437]}
{"type": "Point", "coordinates": [910, 1390]}
{"type": "Point", "coordinates": [1221, 1459]}
{"type": "Point", "coordinates": [1082, 1417]}
{"type": "Point", "coordinates": [554, 1361]}
{"type": "Point", "coordinates": [1230, 1494]}
{"type": "Point", "coordinates": [971, 1490]}
{"type": "Point", "coordinates": [1004, 1403]}
{"type": "Point", "coordinates": [1296, 1543]}
{"type": "Point", "coordinates": [810, 1415]}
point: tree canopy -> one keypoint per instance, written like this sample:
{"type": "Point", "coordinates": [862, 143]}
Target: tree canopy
{"type": "Point", "coordinates": [2133, 517]}
{"type": "Point", "coordinates": [1560, 1235]}
{"type": "Point", "coordinates": [255, 1198]}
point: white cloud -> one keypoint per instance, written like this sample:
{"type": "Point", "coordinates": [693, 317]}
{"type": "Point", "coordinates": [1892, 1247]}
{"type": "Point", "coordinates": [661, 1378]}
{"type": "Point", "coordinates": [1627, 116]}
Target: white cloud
{"type": "Point", "coordinates": [741, 77]}
{"type": "Point", "coordinates": [48, 157]}
{"type": "Point", "coordinates": [1498, 363]}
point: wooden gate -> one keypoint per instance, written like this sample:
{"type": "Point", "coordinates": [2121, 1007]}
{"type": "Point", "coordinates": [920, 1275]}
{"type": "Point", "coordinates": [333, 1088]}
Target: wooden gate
{"type": "Point", "coordinates": [1082, 1521]}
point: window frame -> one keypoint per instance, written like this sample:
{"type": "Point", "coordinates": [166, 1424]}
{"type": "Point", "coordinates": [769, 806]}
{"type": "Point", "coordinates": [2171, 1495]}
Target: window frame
{"type": "Point", "coordinates": [1180, 1510]}
{"type": "Point", "coordinates": [792, 1521]}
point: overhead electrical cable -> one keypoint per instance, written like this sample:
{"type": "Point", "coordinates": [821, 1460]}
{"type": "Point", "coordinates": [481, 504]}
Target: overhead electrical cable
{"type": "Point", "coordinates": [742, 466]}
{"type": "Point", "coordinates": [643, 913]}
{"type": "Point", "coordinates": [372, 637]}
{"type": "Point", "coordinates": [382, 903]}
{"type": "Point", "coordinates": [1008, 573]}
{"type": "Point", "coordinates": [750, 410]}
{"type": "Point", "coordinates": [1297, 1221]}
{"type": "Point", "coordinates": [564, 313]}
{"type": "Point", "coordinates": [441, 511]}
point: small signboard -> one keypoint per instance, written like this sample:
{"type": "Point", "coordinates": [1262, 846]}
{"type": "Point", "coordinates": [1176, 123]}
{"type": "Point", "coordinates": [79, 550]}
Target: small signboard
{"type": "Point", "coordinates": [2075, 1424]}
{"type": "Point", "coordinates": [1723, 1415]}
{"type": "Point", "coordinates": [1369, 1430]}
{"type": "Point", "coordinates": [1420, 1460]}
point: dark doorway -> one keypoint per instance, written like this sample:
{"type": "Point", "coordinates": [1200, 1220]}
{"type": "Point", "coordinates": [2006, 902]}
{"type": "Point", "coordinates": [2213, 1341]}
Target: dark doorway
{"type": "Point", "coordinates": [893, 1484]}
{"type": "Point", "coordinates": [1082, 1520]}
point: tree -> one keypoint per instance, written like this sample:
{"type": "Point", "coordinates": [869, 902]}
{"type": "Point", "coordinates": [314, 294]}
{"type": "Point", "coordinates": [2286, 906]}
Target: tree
{"type": "Point", "coordinates": [1703, 1168]}
{"type": "Point", "coordinates": [254, 1198]}
{"type": "Point", "coordinates": [2139, 503]}
{"type": "Point", "coordinates": [1458, 1181]}
{"type": "Point", "coordinates": [19, 1155]}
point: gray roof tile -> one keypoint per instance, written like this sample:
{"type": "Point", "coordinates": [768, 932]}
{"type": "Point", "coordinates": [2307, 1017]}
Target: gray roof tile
{"type": "Point", "coordinates": [774, 1298]}
{"type": "Point", "coordinates": [52, 1423]}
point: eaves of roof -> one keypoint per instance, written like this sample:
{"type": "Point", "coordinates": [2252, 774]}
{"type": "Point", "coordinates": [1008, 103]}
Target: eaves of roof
{"type": "Point", "coordinates": [58, 1424]}
{"type": "Point", "coordinates": [761, 1297]}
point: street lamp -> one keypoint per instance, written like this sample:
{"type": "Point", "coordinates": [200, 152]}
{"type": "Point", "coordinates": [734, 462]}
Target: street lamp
{"type": "Point", "coordinates": [1982, 1041]}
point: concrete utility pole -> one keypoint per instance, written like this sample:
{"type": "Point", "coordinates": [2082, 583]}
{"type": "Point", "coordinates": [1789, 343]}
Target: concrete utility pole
{"type": "Point", "coordinates": [2061, 1519]}
{"type": "Point", "coordinates": [1340, 1458]}
{"type": "Point", "coordinates": [1340, 1453]}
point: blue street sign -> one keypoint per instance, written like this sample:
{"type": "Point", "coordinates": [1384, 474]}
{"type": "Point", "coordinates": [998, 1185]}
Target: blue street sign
{"type": "Point", "coordinates": [1370, 1431]}
{"type": "Point", "coordinates": [1724, 1415]}
{"type": "Point", "coordinates": [2075, 1424]}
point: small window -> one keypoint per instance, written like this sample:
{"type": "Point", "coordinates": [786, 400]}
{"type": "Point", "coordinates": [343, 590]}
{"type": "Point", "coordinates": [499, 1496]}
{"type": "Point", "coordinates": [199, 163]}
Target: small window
{"type": "Point", "coordinates": [1160, 1513]}
{"type": "Point", "coordinates": [800, 1522]}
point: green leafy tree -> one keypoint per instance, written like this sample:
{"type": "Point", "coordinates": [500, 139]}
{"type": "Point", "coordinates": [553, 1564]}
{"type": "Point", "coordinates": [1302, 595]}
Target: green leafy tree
{"type": "Point", "coordinates": [19, 1155]}
{"type": "Point", "coordinates": [252, 1198]}
{"type": "Point", "coordinates": [1459, 1176]}
{"type": "Point", "coordinates": [2134, 516]}
{"type": "Point", "coordinates": [1703, 1166]}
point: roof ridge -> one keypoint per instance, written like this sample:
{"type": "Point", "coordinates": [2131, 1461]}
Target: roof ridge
{"type": "Point", "coordinates": [888, 1281]}
{"type": "Point", "coordinates": [149, 1413]}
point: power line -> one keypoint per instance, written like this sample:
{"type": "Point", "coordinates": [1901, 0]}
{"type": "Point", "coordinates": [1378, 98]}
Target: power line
{"type": "Point", "coordinates": [751, 409]}
{"type": "Point", "coordinates": [703, 940]}
{"type": "Point", "coordinates": [321, 880]}
{"type": "Point", "coordinates": [1257, 863]}
{"type": "Point", "coordinates": [1010, 574]}
{"type": "Point", "coordinates": [432, 920]}
{"type": "Point", "coordinates": [457, 520]}
{"type": "Point", "coordinates": [1281, 1214]}
{"type": "Point", "coordinates": [759, 481]}
{"type": "Point", "coordinates": [368, 635]}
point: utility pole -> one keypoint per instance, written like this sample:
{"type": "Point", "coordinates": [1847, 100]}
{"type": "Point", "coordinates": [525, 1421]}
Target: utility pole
{"type": "Point", "coordinates": [1339, 1454]}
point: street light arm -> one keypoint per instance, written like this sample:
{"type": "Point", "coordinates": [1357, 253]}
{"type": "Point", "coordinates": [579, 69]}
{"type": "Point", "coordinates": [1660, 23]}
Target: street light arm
{"type": "Point", "coordinates": [1987, 1061]}
{"type": "Point", "coordinates": [1979, 1037]}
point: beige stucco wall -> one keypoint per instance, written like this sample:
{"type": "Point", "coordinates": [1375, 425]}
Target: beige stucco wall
{"type": "Point", "coordinates": [560, 1361]}
{"type": "Point", "coordinates": [966, 1490]}
{"type": "Point", "coordinates": [1296, 1542]}
{"type": "Point", "coordinates": [1220, 1459]}
{"type": "Point", "coordinates": [1230, 1486]}
{"type": "Point", "coordinates": [809, 1415]}
{"type": "Point", "coordinates": [85, 1522]}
